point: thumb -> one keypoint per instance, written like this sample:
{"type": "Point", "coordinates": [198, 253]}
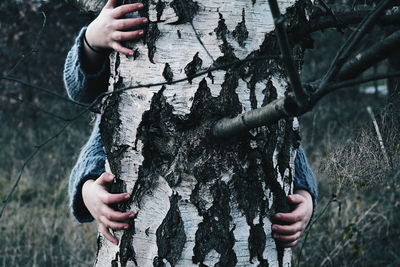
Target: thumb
{"type": "Point", "coordinates": [105, 178]}
{"type": "Point", "coordinates": [295, 199]}
{"type": "Point", "coordinates": [111, 3]}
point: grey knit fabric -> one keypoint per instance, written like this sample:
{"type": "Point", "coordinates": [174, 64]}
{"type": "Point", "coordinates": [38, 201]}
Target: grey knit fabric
{"type": "Point", "coordinates": [84, 87]}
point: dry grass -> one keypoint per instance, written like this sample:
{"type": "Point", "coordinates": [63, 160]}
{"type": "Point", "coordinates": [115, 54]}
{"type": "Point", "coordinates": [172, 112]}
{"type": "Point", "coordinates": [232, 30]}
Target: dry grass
{"type": "Point", "coordinates": [358, 190]}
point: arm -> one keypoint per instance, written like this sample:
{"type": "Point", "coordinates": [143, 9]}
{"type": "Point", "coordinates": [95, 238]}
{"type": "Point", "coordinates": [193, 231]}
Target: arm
{"type": "Point", "coordinates": [86, 69]}
{"type": "Point", "coordinates": [288, 227]}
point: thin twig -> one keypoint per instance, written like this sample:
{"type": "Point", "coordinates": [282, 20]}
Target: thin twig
{"type": "Point", "coordinates": [41, 89]}
{"type": "Point", "coordinates": [301, 96]}
{"type": "Point", "coordinates": [31, 156]}
{"type": "Point", "coordinates": [378, 133]}
{"type": "Point", "coordinates": [34, 48]}
{"type": "Point", "coordinates": [40, 109]}
{"type": "Point", "coordinates": [195, 31]}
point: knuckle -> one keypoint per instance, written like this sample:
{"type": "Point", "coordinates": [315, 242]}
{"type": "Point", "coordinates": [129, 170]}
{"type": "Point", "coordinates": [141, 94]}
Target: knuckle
{"type": "Point", "coordinates": [107, 198]}
{"type": "Point", "coordinates": [102, 220]}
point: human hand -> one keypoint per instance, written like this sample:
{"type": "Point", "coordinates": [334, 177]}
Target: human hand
{"type": "Point", "coordinates": [97, 198]}
{"type": "Point", "coordinates": [109, 29]}
{"type": "Point", "coordinates": [288, 227]}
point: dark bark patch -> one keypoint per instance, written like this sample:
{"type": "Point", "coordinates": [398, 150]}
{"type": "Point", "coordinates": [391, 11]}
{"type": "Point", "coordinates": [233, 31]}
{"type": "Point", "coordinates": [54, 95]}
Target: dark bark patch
{"type": "Point", "coordinates": [157, 131]}
{"type": "Point", "coordinates": [150, 38]}
{"type": "Point", "coordinates": [257, 241]}
{"type": "Point", "coordinates": [213, 232]}
{"type": "Point", "coordinates": [185, 10]}
{"type": "Point", "coordinates": [179, 34]}
{"type": "Point", "coordinates": [210, 76]}
{"type": "Point", "coordinates": [247, 180]}
{"type": "Point", "coordinates": [228, 97]}
{"type": "Point", "coordinates": [167, 73]}
{"type": "Point", "coordinates": [193, 67]}
{"type": "Point", "coordinates": [240, 33]}
{"type": "Point", "coordinates": [160, 6]}
{"type": "Point", "coordinates": [285, 146]}
{"type": "Point", "coordinates": [126, 250]}
{"type": "Point", "coordinates": [136, 54]}
{"type": "Point", "coordinates": [171, 235]}
{"type": "Point", "coordinates": [221, 30]}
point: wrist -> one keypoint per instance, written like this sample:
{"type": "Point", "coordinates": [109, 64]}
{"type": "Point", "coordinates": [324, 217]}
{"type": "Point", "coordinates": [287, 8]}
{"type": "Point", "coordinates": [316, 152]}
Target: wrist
{"type": "Point", "coordinates": [92, 42]}
{"type": "Point", "coordinates": [306, 195]}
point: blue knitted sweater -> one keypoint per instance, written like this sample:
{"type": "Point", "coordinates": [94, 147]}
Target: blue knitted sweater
{"type": "Point", "coordinates": [83, 87]}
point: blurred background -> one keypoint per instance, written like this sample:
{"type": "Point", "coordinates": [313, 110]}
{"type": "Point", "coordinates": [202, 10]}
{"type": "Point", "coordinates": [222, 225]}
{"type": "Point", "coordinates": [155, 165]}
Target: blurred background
{"type": "Point", "coordinates": [358, 213]}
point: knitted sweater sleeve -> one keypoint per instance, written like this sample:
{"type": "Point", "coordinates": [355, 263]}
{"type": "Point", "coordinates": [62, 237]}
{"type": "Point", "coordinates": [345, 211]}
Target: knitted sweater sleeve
{"type": "Point", "coordinates": [84, 87]}
{"type": "Point", "coordinates": [81, 85]}
{"type": "Point", "coordinates": [90, 165]}
{"type": "Point", "coordinates": [304, 177]}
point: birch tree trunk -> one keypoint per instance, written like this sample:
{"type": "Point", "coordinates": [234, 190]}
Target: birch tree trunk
{"type": "Point", "coordinates": [200, 201]}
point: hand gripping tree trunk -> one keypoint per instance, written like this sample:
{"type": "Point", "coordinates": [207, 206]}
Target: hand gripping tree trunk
{"type": "Point", "coordinates": [201, 201]}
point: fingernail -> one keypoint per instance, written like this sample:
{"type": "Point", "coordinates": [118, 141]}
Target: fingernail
{"type": "Point", "coordinates": [126, 226]}
{"type": "Point", "coordinates": [111, 175]}
{"type": "Point", "coordinates": [132, 215]}
{"type": "Point", "coordinates": [144, 20]}
{"type": "Point", "coordinates": [141, 32]}
{"type": "Point", "coordinates": [140, 5]}
{"type": "Point", "coordinates": [127, 196]}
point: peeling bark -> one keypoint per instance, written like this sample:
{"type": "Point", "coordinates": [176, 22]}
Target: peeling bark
{"type": "Point", "coordinates": [201, 201]}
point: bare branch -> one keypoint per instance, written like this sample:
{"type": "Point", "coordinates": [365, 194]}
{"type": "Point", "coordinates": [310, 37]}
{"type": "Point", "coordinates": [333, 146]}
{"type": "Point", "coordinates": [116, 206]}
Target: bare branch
{"type": "Point", "coordinates": [330, 12]}
{"type": "Point", "coordinates": [34, 48]}
{"type": "Point", "coordinates": [33, 107]}
{"type": "Point", "coordinates": [350, 44]}
{"type": "Point", "coordinates": [41, 89]}
{"type": "Point", "coordinates": [297, 32]}
{"type": "Point", "coordinates": [301, 96]}
{"type": "Point", "coordinates": [286, 106]}
{"type": "Point", "coordinates": [353, 82]}
{"type": "Point", "coordinates": [360, 63]}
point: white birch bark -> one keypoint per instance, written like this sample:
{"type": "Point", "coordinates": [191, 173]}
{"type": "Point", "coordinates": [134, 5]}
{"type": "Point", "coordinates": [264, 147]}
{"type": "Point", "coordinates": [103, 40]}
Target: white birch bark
{"type": "Point", "coordinates": [178, 201]}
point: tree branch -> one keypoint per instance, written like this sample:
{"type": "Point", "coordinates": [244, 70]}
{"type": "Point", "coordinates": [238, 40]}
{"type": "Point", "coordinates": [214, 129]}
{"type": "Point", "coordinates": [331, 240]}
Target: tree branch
{"type": "Point", "coordinates": [301, 96]}
{"type": "Point", "coordinates": [286, 107]}
{"type": "Point", "coordinates": [298, 31]}
{"type": "Point", "coordinates": [348, 47]}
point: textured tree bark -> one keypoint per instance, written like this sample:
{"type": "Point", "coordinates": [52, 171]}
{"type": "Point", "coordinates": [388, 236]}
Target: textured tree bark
{"type": "Point", "coordinates": [201, 201]}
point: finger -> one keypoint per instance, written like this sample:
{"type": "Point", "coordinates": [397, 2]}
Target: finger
{"type": "Point", "coordinates": [123, 50]}
{"type": "Point", "coordinates": [287, 229]}
{"type": "Point", "coordinates": [109, 198]}
{"type": "Point", "coordinates": [126, 36]}
{"type": "Point", "coordinates": [296, 199]}
{"type": "Point", "coordinates": [124, 24]}
{"type": "Point", "coordinates": [113, 215]}
{"type": "Point", "coordinates": [121, 11]}
{"type": "Point", "coordinates": [291, 217]}
{"type": "Point", "coordinates": [106, 233]}
{"type": "Point", "coordinates": [286, 238]}
{"type": "Point", "coordinates": [105, 178]}
{"type": "Point", "coordinates": [113, 225]}
{"type": "Point", "coordinates": [111, 4]}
